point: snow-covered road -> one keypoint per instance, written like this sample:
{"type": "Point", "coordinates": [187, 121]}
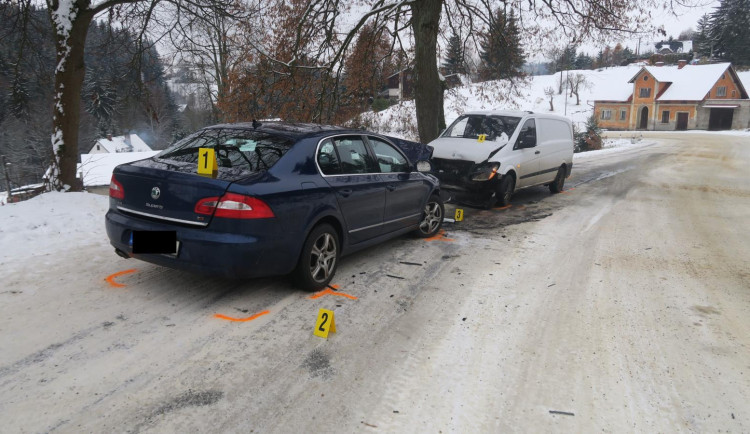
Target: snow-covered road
{"type": "Point", "coordinates": [622, 304]}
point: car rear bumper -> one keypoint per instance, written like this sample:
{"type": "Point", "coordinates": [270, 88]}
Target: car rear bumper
{"type": "Point", "coordinates": [205, 251]}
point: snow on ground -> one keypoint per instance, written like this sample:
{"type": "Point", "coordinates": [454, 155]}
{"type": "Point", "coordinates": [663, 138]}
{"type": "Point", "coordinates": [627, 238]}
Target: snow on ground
{"type": "Point", "coordinates": [615, 145]}
{"type": "Point", "coordinates": [51, 223]}
{"type": "Point", "coordinates": [97, 168]}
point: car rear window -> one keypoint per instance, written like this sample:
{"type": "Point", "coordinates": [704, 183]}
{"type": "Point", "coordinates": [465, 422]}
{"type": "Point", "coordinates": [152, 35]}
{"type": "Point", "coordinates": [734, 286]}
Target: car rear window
{"type": "Point", "coordinates": [248, 150]}
{"type": "Point", "coordinates": [471, 126]}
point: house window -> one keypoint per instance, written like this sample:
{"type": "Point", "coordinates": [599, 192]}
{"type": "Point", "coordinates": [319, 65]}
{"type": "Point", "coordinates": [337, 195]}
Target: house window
{"type": "Point", "coordinates": [645, 78]}
{"type": "Point", "coordinates": [734, 94]}
{"type": "Point", "coordinates": [623, 114]}
{"type": "Point", "coordinates": [606, 115]}
{"type": "Point", "coordinates": [98, 148]}
{"type": "Point", "coordinates": [721, 91]}
{"type": "Point", "coordinates": [665, 117]}
{"type": "Point", "coordinates": [645, 92]}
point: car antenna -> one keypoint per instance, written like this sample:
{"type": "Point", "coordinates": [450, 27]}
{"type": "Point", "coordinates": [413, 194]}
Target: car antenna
{"type": "Point", "coordinates": [256, 124]}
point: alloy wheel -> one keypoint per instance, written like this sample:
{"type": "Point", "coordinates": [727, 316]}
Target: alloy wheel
{"type": "Point", "coordinates": [323, 257]}
{"type": "Point", "coordinates": [433, 216]}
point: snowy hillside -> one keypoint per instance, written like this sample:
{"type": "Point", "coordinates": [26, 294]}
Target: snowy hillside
{"type": "Point", "coordinates": [609, 83]}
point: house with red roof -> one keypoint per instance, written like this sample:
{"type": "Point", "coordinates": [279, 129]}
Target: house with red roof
{"type": "Point", "coordinates": [682, 97]}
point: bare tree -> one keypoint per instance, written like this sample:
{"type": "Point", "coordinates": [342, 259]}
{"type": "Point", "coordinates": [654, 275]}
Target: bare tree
{"type": "Point", "coordinates": [574, 21]}
{"type": "Point", "coordinates": [550, 92]}
{"type": "Point", "coordinates": [70, 21]}
{"type": "Point", "coordinates": [576, 83]}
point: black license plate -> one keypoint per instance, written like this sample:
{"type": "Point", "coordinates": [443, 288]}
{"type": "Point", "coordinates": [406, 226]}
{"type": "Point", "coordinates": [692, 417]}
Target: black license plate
{"type": "Point", "coordinates": [159, 242]}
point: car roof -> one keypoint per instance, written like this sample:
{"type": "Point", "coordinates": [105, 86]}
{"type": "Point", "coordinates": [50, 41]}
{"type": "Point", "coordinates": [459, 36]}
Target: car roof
{"type": "Point", "coordinates": [517, 113]}
{"type": "Point", "coordinates": [293, 130]}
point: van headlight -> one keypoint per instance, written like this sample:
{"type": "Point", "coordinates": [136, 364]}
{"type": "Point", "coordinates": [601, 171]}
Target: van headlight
{"type": "Point", "coordinates": [485, 171]}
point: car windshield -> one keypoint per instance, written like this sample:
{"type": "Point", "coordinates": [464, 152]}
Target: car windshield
{"type": "Point", "coordinates": [235, 148]}
{"type": "Point", "coordinates": [492, 126]}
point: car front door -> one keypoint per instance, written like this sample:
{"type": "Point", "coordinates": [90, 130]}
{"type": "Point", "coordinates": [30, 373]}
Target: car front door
{"type": "Point", "coordinates": [350, 170]}
{"type": "Point", "coordinates": [406, 191]}
{"type": "Point", "coordinates": [526, 155]}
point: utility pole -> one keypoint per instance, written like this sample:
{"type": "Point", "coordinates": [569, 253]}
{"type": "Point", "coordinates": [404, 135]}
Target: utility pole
{"type": "Point", "coordinates": [567, 83]}
{"type": "Point", "coordinates": [7, 178]}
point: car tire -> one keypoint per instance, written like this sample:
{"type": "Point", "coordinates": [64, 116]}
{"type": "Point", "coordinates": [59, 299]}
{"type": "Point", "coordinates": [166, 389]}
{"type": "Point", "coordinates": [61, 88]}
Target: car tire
{"type": "Point", "coordinates": [505, 190]}
{"type": "Point", "coordinates": [432, 218]}
{"type": "Point", "coordinates": [557, 185]}
{"type": "Point", "coordinates": [319, 259]}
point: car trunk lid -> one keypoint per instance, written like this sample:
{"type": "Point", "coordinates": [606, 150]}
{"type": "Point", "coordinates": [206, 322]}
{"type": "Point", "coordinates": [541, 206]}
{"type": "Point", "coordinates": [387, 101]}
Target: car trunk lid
{"type": "Point", "coordinates": [169, 190]}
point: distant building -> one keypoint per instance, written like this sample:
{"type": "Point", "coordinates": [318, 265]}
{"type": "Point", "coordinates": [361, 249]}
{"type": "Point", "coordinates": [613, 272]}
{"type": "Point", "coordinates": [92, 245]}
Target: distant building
{"type": "Point", "coordinates": [111, 145]}
{"type": "Point", "coordinates": [670, 47]}
{"type": "Point", "coordinates": [683, 97]}
{"type": "Point", "coordinates": [400, 86]}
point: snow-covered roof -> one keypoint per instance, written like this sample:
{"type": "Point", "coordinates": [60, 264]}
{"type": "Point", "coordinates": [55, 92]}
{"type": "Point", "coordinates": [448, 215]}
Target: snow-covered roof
{"type": "Point", "coordinates": [128, 143]}
{"type": "Point", "coordinates": [97, 168]}
{"type": "Point", "coordinates": [691, 83]}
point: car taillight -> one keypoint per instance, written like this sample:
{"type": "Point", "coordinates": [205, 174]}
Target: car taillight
{"type": "Point", "coordinates": [115, 189]}
{"type": "Point", "coordinates": [234, 206]}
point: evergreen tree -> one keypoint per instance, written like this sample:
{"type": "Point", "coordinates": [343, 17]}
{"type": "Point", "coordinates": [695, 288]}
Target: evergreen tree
{"type": "Point", "coordinates": [702, 45]}
{"type": "Point", "coordinates": [730, 29]}
{"type": "Point", "coordinates": [568, 58]}
{"type": "Point", "coordinates": [455, 58]}
{"type": "Point", "coordinates": [583, 61]}
{"type": "Point", "coordinates": [500, 48]}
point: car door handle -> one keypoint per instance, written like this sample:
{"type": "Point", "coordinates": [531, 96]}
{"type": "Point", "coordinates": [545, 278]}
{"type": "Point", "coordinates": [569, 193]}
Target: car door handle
{"type": "Point", "coordinates": [391, 187]}
{"type": "Point", "coordinates": [346, 192]}
{"type": "Point", "coordinates": [537, 152]}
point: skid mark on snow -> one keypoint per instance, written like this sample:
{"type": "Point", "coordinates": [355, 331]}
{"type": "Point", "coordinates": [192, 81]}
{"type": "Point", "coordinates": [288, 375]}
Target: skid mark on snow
{"type": "Point", "coordinates": [188, 399]}
{"type": "Point", "coordinates": [319, 364]}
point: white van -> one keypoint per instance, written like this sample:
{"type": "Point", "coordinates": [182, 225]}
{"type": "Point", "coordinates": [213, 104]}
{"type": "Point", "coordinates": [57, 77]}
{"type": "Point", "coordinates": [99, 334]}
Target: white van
{"type": "Point", "coordinates": [483, 157]}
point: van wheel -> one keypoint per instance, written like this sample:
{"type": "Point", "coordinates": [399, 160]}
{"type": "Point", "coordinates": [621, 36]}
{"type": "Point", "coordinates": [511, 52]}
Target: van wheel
{"type": "Point", "coordinates": [319, 258]}
{"type": "Point", "coordinates": [432, 220]}
{"type": "Point", "coordinates": [505, 190]}
{"type": "Point", "coordinates": [557, 185]}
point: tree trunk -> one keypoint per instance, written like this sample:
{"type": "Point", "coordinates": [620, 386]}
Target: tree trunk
{"type": "Point", "coordinates": [69, 75]}
{"type": "Point", "coordinates": [428, 92]}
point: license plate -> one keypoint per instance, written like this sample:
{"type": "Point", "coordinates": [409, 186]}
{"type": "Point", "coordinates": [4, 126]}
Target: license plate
{"type": "Point", "coordinates": [156, 242]}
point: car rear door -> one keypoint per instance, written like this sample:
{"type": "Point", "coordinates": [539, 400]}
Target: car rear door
{"type": "Point", "coordinates": [349, 169]}
{"type": "Point", "coordinates": [406, 191]}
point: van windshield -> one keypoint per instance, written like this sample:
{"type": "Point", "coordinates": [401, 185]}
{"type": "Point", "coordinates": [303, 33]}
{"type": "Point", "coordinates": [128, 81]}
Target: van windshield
{"type": "Point", "coordinates": [492, 126]}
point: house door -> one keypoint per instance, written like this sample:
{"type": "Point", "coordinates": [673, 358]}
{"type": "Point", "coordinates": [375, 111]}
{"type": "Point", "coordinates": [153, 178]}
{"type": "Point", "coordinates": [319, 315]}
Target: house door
{"type": "Point", "coordinates": [682, 121]}
{"type": "Point", "coordinates": [644, 119]}
{"type": "Point", "coordinates": [720, 119]}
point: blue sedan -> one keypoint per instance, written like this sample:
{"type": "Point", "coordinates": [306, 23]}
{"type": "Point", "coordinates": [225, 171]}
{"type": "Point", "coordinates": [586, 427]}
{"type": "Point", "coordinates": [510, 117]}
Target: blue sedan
{"type": "Point", "coordinates": [272, 198]}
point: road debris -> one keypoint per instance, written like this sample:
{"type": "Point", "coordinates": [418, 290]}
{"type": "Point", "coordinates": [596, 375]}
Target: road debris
{"type": "Point", "coordinates": [410, 263]}
{"type": "Point", "coordinates": [564, 413]}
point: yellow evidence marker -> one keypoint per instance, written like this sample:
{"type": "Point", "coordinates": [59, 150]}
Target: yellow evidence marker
{"type": "Point", "coordinates": [459, 214]}
{"type": "Point", "coordinates": [207, 164]}
{"type": "Point", "coordinates": [482, 138]}
{"type": "Point", "coordinates": [325, 323]}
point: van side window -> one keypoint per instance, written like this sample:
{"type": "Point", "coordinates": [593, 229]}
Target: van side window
{"type": "Point", "coordinates": [527, 135]}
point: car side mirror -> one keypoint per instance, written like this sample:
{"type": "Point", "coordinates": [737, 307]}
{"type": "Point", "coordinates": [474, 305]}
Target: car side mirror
{"type": "Point", "coordinates": [424, 166]}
